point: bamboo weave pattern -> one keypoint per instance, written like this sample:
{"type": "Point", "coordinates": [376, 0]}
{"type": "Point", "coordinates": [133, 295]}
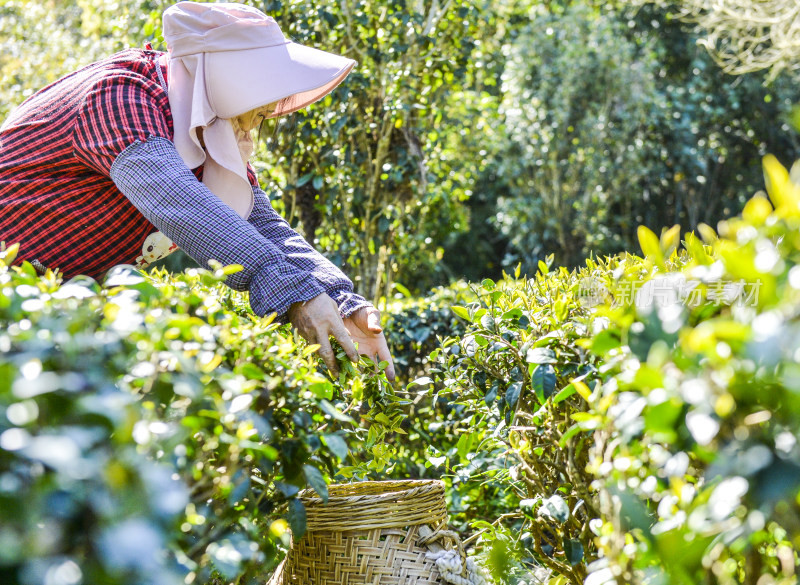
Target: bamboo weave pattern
{"type": "Point", "coordinates": [367, 534]}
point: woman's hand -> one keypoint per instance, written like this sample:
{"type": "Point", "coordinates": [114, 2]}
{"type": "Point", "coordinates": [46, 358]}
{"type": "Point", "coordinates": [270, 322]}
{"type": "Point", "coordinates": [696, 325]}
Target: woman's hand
{"type": "Point", "coordinates": [316, 320]}
{"type": "Point", "coordinates": [319, 318]}
{"type": "Point", "coordinates": [365, 329]}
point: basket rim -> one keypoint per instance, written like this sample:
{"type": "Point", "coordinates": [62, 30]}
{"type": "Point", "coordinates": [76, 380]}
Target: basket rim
{"type": "Point", "coordinates": [371, 505]}
{"type": "Point", "coordinates": [403, 488]}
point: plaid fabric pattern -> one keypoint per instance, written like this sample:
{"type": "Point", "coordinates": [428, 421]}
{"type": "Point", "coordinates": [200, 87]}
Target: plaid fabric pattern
{"type": "Point", "coordinates": [303, 256]}
{"type": "Point", "coordinates": [73, 203]}
{"type": "Point", "coordinates": [280, 267]}
{"type": "Point", "coordinates": [56, 149]}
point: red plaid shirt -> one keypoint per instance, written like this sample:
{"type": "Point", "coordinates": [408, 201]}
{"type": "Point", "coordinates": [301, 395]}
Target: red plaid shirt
{"type": "Point", "coordinates": [56, 198]}
{"type": "Point", "coordinates": [58, 201]}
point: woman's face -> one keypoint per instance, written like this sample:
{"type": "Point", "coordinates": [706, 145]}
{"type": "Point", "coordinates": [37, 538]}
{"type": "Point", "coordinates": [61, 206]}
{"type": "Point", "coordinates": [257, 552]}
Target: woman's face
{"type": "Point", "coordinates": [250, 120]}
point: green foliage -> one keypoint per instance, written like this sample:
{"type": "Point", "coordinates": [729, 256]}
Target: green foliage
{"type": "Point", "coordinates": [414, 327]}
{"type": "Point", "coordinates": [578, 98]}
{"type": "Point", "coordinates": [520, 380]}
{"type": "Point", "coordinates": [612, 120]}
{"type": "Point", "coordinates": [642, 412]}
{"type": "Point", "coordinates": [157, 414]}
{"type": "Point", "coordinates": [44, 40]}
{"type": "Point", "coordinates": [365, 171]}
{"type": "Point", "coordinates": [742, 35]}
{"type": "Point", "coordinates": [697, 457]}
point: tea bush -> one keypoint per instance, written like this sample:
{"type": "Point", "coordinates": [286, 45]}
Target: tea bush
{"type": "Point", "coordinates": [696, 454]}
{"type": "Point", "coordinates": [636, 421]}
{"type": "Point", "coordinates": [152, 430]}
{"type": "Point", "coordinates": [520, 377]}
{"type": "Point", "coordinates": [414, 326]}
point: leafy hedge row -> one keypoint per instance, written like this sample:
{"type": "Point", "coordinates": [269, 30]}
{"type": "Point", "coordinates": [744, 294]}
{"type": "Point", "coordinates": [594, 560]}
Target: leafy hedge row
{"type": "Point", "coordinates": [698, 418]}
{"type": "Point", "coordinates": [642, 413]}
{"type": "Point", "coordinates": [415, 326]}
{"type": "Point", "coordinates": [154, 431]}
{"type": "Point", "coordinates": [518, 375]}
{"type": "Point", "coordinates": [632, 422]}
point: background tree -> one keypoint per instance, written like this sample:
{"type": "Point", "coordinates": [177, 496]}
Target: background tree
{"type": "Point", "coordinates": [42, 41]}
{"type": "Point", "coordinates": [577, 101]}
{"type": "Point", "coordinates": [745, 36]}
{"type": "Point", "coordinates": [366, 174]}
{"type": "Point", "coordinates": [611, 119]}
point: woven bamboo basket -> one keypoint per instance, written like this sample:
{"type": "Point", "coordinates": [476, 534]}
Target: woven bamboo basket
{"type": "Point", "coordinates": [369, 533]}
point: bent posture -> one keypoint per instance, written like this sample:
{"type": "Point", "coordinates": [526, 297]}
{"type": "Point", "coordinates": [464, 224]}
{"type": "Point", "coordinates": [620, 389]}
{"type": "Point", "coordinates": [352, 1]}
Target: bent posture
{"type": "Point", "coordinates": [134, 156]}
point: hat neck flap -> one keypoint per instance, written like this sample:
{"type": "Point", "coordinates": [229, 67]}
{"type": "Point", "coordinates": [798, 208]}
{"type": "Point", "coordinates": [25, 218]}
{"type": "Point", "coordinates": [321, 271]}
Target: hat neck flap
{"type": "Point", "coordinates": [227, 149]}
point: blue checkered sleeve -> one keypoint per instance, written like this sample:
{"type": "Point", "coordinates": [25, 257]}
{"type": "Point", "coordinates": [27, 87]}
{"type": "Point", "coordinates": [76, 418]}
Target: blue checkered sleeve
{"type": "Point", "coordinates": [303, 256]}
{"type": "Point", "coordinates": [152, 175]}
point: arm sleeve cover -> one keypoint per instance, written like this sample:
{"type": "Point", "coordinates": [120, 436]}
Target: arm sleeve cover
{"type": "Point", "coordinates": [303, 256]}
{"type": "Point", "coordinates": [152, 175]}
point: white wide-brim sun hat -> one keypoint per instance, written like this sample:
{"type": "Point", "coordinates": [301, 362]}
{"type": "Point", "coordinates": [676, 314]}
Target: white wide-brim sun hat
{"type": "Point", "coordinates": [249, 63]}
{"type": "Point", "coordinates": [226, 59]}
{"type": "Point", "coordinates": [296, 77]}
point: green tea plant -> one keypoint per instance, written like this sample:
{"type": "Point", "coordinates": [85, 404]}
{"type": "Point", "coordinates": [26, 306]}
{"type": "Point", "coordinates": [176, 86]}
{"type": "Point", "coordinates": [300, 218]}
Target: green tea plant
{"type": "Point", "coordinates": [519, 380]}
{"type": "Point", "coordinates": [153, 430]}
{"type": "Point", "coordinates": [414, 326]}
{"type": "Point", "coordinates": [696, 448]}
{"type": "Point", "coordinates": [635, 421]}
